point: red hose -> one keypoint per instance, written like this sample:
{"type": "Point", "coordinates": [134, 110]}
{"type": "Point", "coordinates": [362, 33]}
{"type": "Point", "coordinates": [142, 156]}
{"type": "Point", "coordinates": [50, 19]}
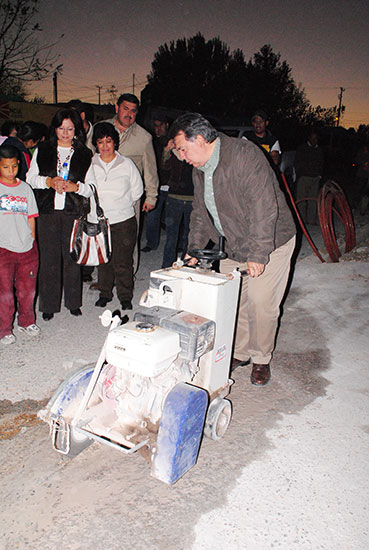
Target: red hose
{"type": "Point", "coordinates": [306, 233]}
{"type": "Point", "coordinates": [331, 195]}
{"type": "Point", "coordinates": [330, 199]}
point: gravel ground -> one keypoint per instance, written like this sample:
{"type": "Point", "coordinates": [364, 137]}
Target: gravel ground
{"type": "Point", "coordinates": [290, 472]}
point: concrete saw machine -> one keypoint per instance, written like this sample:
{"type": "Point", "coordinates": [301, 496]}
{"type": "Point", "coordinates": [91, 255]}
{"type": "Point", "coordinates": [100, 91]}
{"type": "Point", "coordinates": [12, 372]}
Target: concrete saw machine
{"type": "Point", "coordinates": [161, 381]}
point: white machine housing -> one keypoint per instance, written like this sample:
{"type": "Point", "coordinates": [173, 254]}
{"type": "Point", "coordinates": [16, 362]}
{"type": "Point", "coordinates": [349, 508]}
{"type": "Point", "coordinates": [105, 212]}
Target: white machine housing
{"type": "Point", "coordinates": [211, 295]}
{"type": "Point", "coordinates": [144, 350]}
{"type": "Point", "coordinates": [182, 332]}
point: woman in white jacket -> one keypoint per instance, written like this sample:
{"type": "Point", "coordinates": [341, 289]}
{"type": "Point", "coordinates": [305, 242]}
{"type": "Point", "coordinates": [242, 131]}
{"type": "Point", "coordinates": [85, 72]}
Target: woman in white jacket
{"type": "Point", "coordinates": [119, 186]}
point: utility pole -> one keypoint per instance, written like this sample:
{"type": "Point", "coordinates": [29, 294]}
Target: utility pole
{"type": "Point", "coordinates": [57, 71]}
{"type": "Point", "coordinates": [99, 93]}
{"type": "Point", "coordinates": [55, 87]}
{"type": "Point", "coordinates": [341, 108]}
{"type": "Point", "coordinates": [113, 93]}
{"type": "Point", "coordinates": [133, 84]}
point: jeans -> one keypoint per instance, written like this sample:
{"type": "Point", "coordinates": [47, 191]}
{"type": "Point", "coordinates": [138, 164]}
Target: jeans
{"type": "Point", "coordinates": [17, 270]}
{"type": "Point", "coordinates": [177, 211]}
{"type": "Point", "coordinates": [153, 221]}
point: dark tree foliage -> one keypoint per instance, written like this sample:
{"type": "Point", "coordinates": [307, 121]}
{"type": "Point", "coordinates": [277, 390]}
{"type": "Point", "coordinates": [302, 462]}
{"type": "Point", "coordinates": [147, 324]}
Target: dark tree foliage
{"type": "Point", "coordinates": [363, 133]}
{"type": "Point", "coordinates": [319, 116]}
{"type": "Point", "coordinates": [272, 88]}
{"type": "Point", "coordinates": [205, 76]}
{"type": "Point", "coordinates": [197, 75]}
{"type": "Point", "coordinates": [13, 89]}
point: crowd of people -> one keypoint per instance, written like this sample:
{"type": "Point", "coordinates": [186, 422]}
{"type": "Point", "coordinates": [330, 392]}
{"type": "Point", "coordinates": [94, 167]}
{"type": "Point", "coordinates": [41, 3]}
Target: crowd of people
{"type": "Point", "coordinates": [196, 182]}
{"type": "Point", "coordinates": [54, 183]}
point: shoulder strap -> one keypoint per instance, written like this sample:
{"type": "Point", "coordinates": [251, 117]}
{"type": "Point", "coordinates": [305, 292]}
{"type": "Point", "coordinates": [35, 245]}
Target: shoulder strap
{"type": "Point", "coordinates": [99, 210]}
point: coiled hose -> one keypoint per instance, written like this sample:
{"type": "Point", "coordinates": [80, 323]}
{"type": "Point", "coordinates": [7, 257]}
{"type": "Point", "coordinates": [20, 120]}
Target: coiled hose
{"type": "Point", "coordinates": [331, 199]}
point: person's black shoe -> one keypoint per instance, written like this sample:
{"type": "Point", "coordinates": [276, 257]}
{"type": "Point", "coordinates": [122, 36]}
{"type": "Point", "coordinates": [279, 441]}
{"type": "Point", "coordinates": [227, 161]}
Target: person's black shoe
{"type": "Point", "coordinates": [101, 302]}
{"type": "Point", "coordinates": [146, 249]}
{"type": "Point", "coordinates": [76, 312]}
{"type": "Point", "coordinates": [126, 304]}
{"type": "Point", "coordinates": [238, 363]}
{"type": "Point", "coordinates": [87, 278]}
{"type": "Point", "coordinates": [47, 316]}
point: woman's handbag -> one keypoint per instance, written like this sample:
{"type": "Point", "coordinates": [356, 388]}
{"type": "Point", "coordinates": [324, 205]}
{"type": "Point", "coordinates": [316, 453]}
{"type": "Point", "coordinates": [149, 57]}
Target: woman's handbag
{"type": "Point", "coordinates": [90, 243]}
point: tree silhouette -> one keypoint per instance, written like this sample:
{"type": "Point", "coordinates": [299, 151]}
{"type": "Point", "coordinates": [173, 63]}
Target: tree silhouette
{"type": "Point", "coordinates": [195, 74]}
{"type": "Point", "coordinates": [272, 88]}
{"type": "Point", "coordinates": [205, 76]}
{"type": "Point", "coordinates": [22, 57]}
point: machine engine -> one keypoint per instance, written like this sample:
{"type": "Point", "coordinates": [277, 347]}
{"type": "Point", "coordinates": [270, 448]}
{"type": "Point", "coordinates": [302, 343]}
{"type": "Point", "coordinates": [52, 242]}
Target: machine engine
{"type": "Point", "coordinates": [145, 359]}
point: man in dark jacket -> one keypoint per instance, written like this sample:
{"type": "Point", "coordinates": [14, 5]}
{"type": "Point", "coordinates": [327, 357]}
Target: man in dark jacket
{"type": "Point", "coordinates": [309, 163]}
{"type": "Point", "coordinates": [178, 206]}
{"type": "Point", "coordinates": [236, 194]}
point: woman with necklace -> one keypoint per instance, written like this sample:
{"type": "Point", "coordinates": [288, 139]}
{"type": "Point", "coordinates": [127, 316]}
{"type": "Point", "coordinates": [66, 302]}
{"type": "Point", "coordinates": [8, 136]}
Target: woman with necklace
{"type": "Point", "coordinates": [60, 201]}
{"type": "Point", "coordinates": [119, 186]}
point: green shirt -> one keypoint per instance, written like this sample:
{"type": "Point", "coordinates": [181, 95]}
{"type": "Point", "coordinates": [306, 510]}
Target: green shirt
{"type": "Point", "coordinates": [209, 169]}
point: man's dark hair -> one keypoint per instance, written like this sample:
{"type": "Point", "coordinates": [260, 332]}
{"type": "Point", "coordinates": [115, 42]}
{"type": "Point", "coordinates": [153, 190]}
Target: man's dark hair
{"type": "Point", "coordinates": [44, 130]}
{"type": "Point", "coordinates": [8, 126]}
{"type": "Point", "coordinates": [29, 130]}
{"type": "Point", "coordinates": [260, 113]}
{"type": "Point", "coordinates": [9, 152]}
{"type": "Point", "coordinates": [81, 107]}
{"type": "Point", "coordinates": [77, 105]}
{"type": "Point", "coordinates": [312, 130]}
{"type": "Point", "coordinates": [193, 124]}
{"type": "Point", "coordinates": [63, 114]}
{"type": "Point", "coordinates": [128, 97]}
{"type": "Point", "coordinates": [161, 118]}
{"type": "Point", "coordinates": [105, 129]}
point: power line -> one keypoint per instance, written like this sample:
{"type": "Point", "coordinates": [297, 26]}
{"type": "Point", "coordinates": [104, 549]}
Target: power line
{"type": "Point", "coordinates": [335, 87]}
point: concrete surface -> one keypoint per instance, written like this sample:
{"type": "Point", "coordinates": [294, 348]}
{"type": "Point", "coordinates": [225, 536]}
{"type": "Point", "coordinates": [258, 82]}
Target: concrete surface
{"type": "Point", "coordinates": [290, 472]}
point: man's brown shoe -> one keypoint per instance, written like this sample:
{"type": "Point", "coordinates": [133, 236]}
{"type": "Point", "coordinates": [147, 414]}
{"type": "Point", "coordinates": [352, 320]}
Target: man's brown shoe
{"type": "Point", "coordinates": [260, 374]}
{"type": "Point", "coordinates": [94, 286]}
{"type": "Point", "coordinates": [238, 363]}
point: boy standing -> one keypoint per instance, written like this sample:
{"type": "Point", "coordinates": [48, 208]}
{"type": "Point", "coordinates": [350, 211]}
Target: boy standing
{"type": "Point", "coordinates": [18, 249]}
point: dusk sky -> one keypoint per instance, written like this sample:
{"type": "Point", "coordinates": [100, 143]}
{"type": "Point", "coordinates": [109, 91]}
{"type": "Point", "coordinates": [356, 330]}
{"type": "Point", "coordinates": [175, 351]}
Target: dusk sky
{"type": "Point", "coordinates": [325, 42]}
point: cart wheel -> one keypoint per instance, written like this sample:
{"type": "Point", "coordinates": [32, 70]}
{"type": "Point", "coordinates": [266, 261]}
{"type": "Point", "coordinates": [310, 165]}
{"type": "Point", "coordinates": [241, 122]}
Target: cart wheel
{"type": "Point", "coordinates": [218, 418]}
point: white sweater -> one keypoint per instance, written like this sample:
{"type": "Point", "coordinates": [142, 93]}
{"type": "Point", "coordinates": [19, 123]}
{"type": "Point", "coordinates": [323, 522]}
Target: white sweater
{"type": "Point", "coordinates": [119, 186]}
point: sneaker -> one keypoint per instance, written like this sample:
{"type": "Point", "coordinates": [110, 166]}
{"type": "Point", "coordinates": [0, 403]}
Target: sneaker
{"type": "Point", "coordinates": [31, 330]}
{"type": "Point", "coordinates": [8, 339]}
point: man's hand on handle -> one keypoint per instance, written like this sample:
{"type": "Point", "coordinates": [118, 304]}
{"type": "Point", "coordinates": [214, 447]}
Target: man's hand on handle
{"type": "Point", "coordinates": [254, 269]}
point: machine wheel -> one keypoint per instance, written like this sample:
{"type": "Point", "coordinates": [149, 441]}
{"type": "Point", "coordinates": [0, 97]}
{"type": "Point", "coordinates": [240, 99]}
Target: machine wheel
{"type": "Point", "coordinates": [77, 442]}
{"type": "Point", "coordinates": [59, 412]}
{"type": "Point", "coordinates": [218, 418]}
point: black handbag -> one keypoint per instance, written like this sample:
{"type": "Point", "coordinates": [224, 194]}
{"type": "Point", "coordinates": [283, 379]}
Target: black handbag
{"type": "Point", "coordinates": [90, 243]}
